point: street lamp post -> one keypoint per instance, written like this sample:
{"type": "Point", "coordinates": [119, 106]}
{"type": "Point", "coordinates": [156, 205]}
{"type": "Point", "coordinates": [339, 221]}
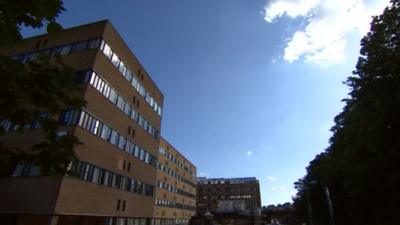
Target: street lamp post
{"type": "Point", "coordinates": [328, 201]}
{"type": "Point", "coordinates": [309, 207]}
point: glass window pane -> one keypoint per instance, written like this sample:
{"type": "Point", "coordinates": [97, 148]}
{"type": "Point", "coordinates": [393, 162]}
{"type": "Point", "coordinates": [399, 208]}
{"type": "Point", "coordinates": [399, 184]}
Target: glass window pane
{"type": "Point", "coordinates": [114, 137]}
{"type": "Point", "coordinates": [120, 103]}
{"type": "Point", "coordinates": [128, 74]}
{"type": "Point", "coordinates": [127, 109]}
{"type": "Point", "coordinates": [137, 151]}
{"type": "Point", "coordinates": [121, 143]}
{"type": "Point", "coordinates": [115, 60]}
{"type": "Point", "coordinates": [142, 154]}
{"type": "Point", "coordinates": [113, 96]}
{"type": "Point", "coordinates": [122, 68]}
{"type": "Point", "coordinates": [65, 50]}
{"type": "Point", "coordinates": [134, 82]}
{"type": "Point", "coordinates": [147, 158]}
{"type": "Point", "coordinates": [107, 51]}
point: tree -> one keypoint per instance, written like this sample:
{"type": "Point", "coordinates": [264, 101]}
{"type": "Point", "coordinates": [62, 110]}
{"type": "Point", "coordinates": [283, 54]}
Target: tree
{"type": "Point", "coordinates": [27, 91]}
{"type": "Point", "coordinates": [361, 165]}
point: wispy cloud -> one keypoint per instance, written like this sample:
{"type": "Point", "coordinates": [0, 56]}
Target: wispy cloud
{"type": "Point", "coordinates": [249, 153]}
{"type": "Point", "coordinates": [284, 190]}
{"type": "Point", "coordinates": [271, 178]}
{"type": "Point", "coordinates": [329, 25]}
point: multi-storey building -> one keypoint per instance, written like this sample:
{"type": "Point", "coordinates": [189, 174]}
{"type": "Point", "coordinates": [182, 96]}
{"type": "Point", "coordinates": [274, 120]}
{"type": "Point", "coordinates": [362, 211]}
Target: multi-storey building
{"type": "Point", "coordinates": [175, 196]}
{"type": "Point", "coordinates": [242, 193]}
{"type": "Point", "coordinates": [117, 169]}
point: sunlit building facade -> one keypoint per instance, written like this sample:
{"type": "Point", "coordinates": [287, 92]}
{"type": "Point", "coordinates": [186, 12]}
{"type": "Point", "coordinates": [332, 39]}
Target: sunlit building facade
{"type": "Point", "coordinates": [175, 195]}
{"type": "Point", "coordinates": [117, 172]}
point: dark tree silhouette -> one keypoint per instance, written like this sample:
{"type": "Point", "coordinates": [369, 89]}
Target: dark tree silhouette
{"type": "Point", "coordinates": [29, 90]}
{"type": "Point", "coordinates": [361, 166]}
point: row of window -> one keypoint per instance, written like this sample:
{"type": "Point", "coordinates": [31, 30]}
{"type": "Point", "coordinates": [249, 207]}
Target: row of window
{"type": "Point", "coordinates": [110, 93]}
{"type": "Point", "coordinates": [60, 50]}
{"type": "Point", "coordinates": [167, 187]}
{"type": "Point", "coordinates": [176, 161]}
{"type": "Point", "coordinates": [97, 175]}
{"type": "Point", "coordinates": [189, 182]}
{"type": "Point", "coordinates": [226, 196]}
{"type": "Point", "coordinates": [126, 221]}
{"type": "Point", "coordinates": [143, 221]}
{"type": "Point", "coordinates": [169, 171]}
{"type": "Point", "coordinates": [172, 188]}
{"type": "Point", "coordinates": [105, 132]}
{"type": "Point", "coordinates": [130, 76]}
{"type": "Point", "coordinates": [174, 174]}
{"type": "Point", "coordinates": [179, 221]}
{"type": "Point", "coordinates": [93, 174]}
{"type": "Point", "coordinates": [166, 203]}
{"type": "Point", "coordinates": [26, 170]}
{"type": "Point", "coordinates": [96, 43]}
{"type": "Point", "coordinates": [8, 126]}
{"type": "Point", "coordinates": [230, 181]}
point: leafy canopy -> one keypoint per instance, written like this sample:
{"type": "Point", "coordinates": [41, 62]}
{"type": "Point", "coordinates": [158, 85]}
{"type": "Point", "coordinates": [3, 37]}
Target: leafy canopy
{"type": "Point", "coordinates": [29, 90]}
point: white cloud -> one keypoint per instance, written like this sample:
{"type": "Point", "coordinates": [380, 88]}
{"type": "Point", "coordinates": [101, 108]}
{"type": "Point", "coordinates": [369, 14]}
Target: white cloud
{"type": "Point", "coordinates": [271, 178]}
{"type": "Point", "coordinates": [249, 153]}
{"type": "Point", "coordinates": [329, 24]}
{"type": "Point", "coordinates": [284, 190]}
{"type": "Point", "coordinates": [202, 174]}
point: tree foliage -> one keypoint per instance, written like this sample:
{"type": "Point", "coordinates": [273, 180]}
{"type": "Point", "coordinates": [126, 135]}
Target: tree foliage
{"type": "Point", "coordinates": [27, 13]}
{"type": "Point", "coordinates": [361, 166]}
{"type": "Point", "coordinates": [29, 90]}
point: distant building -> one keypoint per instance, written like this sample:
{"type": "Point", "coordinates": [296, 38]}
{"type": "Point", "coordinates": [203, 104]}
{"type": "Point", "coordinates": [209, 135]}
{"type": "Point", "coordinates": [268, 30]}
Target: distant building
{"type": "Point", "coordinates": [175, 195]}
{"type": "Point", "coordinates": [280, 214]}
{"type": "Point", "coordinates": [228, 194]}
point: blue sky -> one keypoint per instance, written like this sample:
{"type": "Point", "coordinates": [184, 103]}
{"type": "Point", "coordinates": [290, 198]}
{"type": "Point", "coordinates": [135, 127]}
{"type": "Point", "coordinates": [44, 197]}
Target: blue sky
{"type": "Point", "coordinates": [251, 87]}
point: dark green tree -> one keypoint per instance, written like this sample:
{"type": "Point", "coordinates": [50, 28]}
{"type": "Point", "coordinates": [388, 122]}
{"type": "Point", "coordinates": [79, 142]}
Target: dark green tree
{"type": "Point", "coordinates": [29, 90]}
{"type": "Point", "coordinates": [362, 164]}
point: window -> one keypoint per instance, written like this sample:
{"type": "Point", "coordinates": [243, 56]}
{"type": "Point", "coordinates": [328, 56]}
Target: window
{"type": "Point", "coordinates": [128, 146]}
{"type": "Point", "coordinates": [132, 149]}
{"type": "Point", "coordinates": [142, 154]}
{"type": "Point", "coordinates": [120, 103]}
{"type": "Point", "coordinates": [137, 151]}
{"type": "Point", "coordinates": [107, 51]}
{"type": "Point", "coordinates": [115, 60]}
{"type": "Point", "coordinates": [95, 177]}
{"type": "Point", "coordinates": [142, 92]}
{"type": "Point", "coordinates": [113, 96]}
{"type": "Point", "coordinates": [134, 82]}
{"type": "Point", "coordinates": [65, 50]}
{"type": "Point", "coordinates": [114, 137]}
{"type": "Point", "coordinates": [127, 109]}
{"type": "Point", "coordinates": [128, 75]}
{"type": "Point", "coordinates": [141, 121]}
{"type": "Point", "coordinates": [147, 158]}
{"type": "Point", "coordinates": [139, 187]}
{"type": "Point", "coordinates": [122, 68]}
{"type": "Point", "coordinates": [133, 186]}
{"type": "Point", "coordinates": [122, 142]}
{"type": "Point", "coordinates": [123, 205]}
{"type": "Point", "coordinates": [106, 91]}
{"type": "Point", "coordinates": [79, 47]}
{"type": "Point", "coordinates": [118, 204]}
{"type": "Point", "coordinates": [94, 44]}
{"type": "Point", "coordinates": [105, 132]}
